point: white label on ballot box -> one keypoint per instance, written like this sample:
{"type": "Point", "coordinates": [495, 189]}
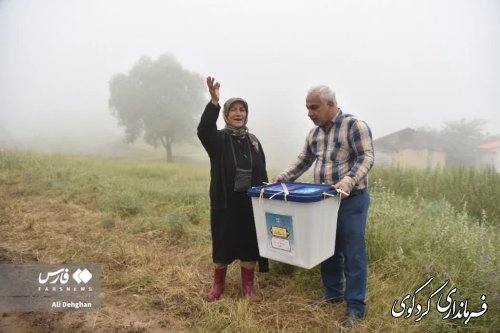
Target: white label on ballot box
{"type": "Point", "coordinates": [280, 243]}
{"type": "Point", "coordinates": [280, 231]}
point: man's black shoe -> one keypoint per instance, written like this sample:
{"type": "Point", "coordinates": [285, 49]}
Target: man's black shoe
{"type": "Point", "coordinates": [327, 300]}
{"type": "Point", "coordinates": [349, 322]}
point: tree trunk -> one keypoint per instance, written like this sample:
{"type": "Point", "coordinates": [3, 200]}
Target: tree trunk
{"type": "Point", "coordinates": [168, 148]}
{"type": "Point", "coordinates": [167, 143]}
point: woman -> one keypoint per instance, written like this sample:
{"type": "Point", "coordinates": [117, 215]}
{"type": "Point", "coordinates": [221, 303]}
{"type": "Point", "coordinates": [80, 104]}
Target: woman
{"type": "Point", "coordinates": [237, 163]}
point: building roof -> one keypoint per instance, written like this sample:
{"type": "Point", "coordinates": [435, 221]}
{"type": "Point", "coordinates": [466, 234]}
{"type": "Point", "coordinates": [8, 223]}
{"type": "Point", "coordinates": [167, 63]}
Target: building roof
{"type": "Point", "coordinates": [407, 138]}
{"type": "Point", "coordinates": [493, 145]}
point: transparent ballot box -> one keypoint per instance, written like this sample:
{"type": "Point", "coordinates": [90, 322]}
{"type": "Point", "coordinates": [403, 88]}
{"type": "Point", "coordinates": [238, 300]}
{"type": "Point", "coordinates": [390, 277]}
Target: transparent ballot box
{"type": "Point", "coordinates": [296, 223]}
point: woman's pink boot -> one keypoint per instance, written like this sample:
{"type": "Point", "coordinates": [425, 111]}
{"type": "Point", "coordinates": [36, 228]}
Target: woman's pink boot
{"type": "Point", "coordinates": [218, 286]}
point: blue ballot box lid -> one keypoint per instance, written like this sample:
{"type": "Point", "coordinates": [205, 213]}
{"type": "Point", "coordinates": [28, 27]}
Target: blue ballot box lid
{"type": "Point", "coordinates": [292, 191]}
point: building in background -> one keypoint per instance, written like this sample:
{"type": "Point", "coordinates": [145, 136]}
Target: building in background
{"type": "Point", "coordinates": [489, 154]}
{"type": "Point", "coordinates": [409, 148]}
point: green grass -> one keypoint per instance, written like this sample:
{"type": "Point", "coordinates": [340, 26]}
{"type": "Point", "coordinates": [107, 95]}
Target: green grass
{"type": "Point", "coordinates": [473, 190]}
{"type": "Point", "coordinates": [413, 239]}
{"type": "Point", "coordinates": [122, 187]}
{"type": "Point", "coordinates": [440, 224]}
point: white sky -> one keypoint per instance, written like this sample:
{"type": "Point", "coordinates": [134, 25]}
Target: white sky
{"type": "Point", "coordinates": [393, 63]}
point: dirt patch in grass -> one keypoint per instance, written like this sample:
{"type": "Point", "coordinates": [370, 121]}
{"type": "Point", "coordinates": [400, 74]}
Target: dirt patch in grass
{"type": "Point", "coordinates": [40, 230]}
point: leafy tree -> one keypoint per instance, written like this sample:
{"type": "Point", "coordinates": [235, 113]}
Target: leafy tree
{"type": "Point", "coordinates": [459, 140]}
{"type": "Point", "coordinates": [159, 100]}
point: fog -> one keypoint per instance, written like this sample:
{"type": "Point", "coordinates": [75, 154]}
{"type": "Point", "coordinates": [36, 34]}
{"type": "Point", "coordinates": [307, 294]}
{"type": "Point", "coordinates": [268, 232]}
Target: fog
{"type": "Point", "coordinates": [392, 63]}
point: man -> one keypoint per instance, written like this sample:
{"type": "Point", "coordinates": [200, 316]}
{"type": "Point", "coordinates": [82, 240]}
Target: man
{"type": "Point", "coordinates": [342, 147]}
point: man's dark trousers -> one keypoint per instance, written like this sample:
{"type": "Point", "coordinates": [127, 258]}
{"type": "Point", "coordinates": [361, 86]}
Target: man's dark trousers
{"type": "Point", "coordinates": [350, 258]}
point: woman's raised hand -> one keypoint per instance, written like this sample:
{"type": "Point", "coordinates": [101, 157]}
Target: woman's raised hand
{"type": "Point", "coordinates": [213, 89]}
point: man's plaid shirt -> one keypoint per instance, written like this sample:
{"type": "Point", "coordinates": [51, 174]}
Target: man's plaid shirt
{"type": "Point", "coordinates": [343, 152]}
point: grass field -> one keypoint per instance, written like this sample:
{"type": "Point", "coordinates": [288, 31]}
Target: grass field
{"type": "Point", "coordinates": [147, 223]}
{"type": "Point", "coordinates": [474, 191]}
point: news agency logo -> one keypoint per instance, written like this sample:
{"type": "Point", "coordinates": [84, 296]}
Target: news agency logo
{"type": "Point", "coordinates": [82, 276]}
{"type": "Point", "coordinates": [50, 287]}
{"type": "Point", "coordinates": [59, 280]}
{"type": "Point", "coordinates": [61, 276]}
